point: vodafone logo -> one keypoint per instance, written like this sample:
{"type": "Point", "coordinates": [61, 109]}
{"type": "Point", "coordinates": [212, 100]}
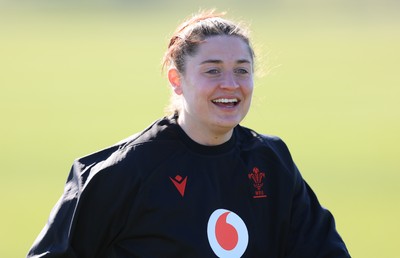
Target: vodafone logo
{"type": "Point", "coordinates": [227, 234]}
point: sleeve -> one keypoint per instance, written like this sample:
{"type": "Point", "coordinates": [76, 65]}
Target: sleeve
{"type": "Point", "coordinates": [54, 239]}
{"type": "Point", "coordinates": [90, 213]}
{"type": "Point", "coordinates": [312, 228]}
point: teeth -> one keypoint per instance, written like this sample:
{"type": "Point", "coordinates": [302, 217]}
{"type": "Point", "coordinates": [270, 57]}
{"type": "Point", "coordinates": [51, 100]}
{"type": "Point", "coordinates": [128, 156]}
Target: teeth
{"type": "Point", "coordinates": [225, 100]}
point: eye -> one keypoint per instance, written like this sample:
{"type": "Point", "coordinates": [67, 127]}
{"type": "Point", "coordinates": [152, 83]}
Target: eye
{"type": "Point", "coordinates": [213, 71]}
{"type": "Point", "coordinates": [241, 71]}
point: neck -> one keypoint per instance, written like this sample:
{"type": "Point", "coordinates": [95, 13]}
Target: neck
{"type": "Point", "coordinates": [205, 136]}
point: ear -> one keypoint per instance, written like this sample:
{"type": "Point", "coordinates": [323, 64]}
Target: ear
{"type": "Point", "coordinates": [174, 79]}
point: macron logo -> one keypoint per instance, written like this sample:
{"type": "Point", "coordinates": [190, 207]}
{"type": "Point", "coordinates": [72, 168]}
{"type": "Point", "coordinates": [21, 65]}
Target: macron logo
{"type": "Point", "coordinates": [180, 183]}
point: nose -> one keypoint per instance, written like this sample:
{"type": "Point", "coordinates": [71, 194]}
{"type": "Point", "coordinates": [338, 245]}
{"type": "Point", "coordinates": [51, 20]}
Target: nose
{"type": "Point", "coordinates": [229, 82]}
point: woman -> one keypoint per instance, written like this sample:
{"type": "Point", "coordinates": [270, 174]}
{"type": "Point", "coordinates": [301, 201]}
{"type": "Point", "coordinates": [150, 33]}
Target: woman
{"type": "Point", "coordinates": [196, 183]}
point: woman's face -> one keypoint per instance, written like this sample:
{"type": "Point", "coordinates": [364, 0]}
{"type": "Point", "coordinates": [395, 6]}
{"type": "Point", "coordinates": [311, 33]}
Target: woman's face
{"type": "Point", "coordinates": [217, 86]}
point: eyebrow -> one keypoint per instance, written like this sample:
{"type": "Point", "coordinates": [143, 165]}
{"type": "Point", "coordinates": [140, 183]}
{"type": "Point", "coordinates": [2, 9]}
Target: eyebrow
{"type": "Point", "coordinates": [216, 61]}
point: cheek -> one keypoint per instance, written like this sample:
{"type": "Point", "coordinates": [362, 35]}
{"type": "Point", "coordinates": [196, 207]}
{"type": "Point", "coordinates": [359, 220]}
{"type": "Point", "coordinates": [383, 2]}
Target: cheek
{"type": "Point", "coordinates": [248, 87]}
{"type": "Point", "coordinates": [201, 90]}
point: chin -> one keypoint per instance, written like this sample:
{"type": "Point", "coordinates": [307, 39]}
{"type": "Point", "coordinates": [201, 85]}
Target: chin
{"type": "Point", "coordinates": [228, 123]}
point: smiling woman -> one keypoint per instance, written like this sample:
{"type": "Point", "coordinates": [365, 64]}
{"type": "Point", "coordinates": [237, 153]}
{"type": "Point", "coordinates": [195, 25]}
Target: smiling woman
{"type": "Point", "coordinates": [194, 183]}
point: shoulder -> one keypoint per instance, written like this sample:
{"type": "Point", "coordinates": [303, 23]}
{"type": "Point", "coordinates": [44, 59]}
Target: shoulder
{"type": "Point", "coordinates": [271, 145]}
{"type": "Point", "coordinates": [133, 153]}
{"type": "Point", "coordinates": [250, 138]}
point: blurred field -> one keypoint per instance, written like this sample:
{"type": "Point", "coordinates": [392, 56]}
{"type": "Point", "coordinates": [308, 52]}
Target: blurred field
{"type": "Point", "coordinates": [74, 80]}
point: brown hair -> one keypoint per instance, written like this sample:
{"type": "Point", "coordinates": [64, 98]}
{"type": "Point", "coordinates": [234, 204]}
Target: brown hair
{"type": "Point", "coordinates": [195, 30]}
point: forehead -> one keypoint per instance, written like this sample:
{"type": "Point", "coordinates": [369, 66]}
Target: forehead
{"type": "Point", "coordinates": [223, 48]}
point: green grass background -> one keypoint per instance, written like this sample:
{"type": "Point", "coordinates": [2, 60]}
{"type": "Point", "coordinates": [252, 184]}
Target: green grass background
{"type": "Point", "coordinates": [77, 78]}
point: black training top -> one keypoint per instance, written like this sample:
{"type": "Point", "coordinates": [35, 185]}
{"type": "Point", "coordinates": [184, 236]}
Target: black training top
{"type": "Point", "coordinates": [160, 194]}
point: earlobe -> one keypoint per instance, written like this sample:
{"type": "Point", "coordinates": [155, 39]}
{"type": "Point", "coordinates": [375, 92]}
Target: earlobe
{"type": "Point", "coordinates": [175, 80]}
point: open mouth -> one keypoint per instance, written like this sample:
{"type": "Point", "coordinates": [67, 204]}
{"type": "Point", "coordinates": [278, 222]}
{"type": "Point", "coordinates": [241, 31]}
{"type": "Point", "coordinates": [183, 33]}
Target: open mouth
{"type": "Point", "coordinates": [226, 102]}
